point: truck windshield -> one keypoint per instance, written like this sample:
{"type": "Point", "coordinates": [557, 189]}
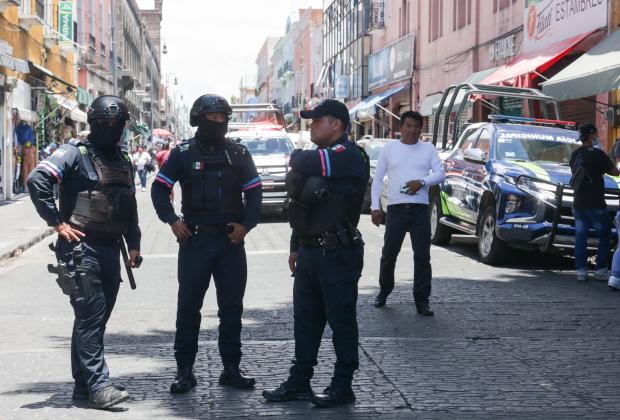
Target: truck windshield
{"type": "Point", "coordinates": [268, 146]}
{"type": "Point", "coordinates": [533, 147]}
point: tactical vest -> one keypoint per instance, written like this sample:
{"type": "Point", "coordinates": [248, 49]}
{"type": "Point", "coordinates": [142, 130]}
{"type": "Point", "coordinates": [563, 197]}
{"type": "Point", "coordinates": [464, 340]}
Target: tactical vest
{"type": "Point", "coordinates": [213, 185]}
{"type": "Point", "coordinates": [314, 208]}
{"type": "Point", "coordinates": [105, 209]}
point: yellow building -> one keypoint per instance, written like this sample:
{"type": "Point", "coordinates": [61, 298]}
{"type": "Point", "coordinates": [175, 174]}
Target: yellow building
{"type": "Point", "coordinates": [37, 76]}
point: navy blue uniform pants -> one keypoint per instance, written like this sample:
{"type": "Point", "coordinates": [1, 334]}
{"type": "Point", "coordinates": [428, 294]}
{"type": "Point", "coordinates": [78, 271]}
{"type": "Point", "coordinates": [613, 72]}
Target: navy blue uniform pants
{"type": "Point", "coordinates": [102, 267]}
{"type": "Point", "coordinates": [202, 257]}
{"type": "Point", "coordinates": [400, 220]}
{"type": "Point", "coordinates": [325, 291]}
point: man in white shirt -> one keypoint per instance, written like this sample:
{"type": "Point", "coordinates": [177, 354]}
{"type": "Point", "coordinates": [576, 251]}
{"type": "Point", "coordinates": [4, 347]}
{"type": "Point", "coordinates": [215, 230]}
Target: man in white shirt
{"type": "Point", "coordinates": [140, 159]}
{"type": "Point", "coordinates": [411, 167]}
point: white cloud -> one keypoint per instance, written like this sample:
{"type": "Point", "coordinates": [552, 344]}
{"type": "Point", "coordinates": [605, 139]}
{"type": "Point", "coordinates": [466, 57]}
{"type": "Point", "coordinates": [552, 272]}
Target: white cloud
{"type": "Point", "coordinates": [213, 44]}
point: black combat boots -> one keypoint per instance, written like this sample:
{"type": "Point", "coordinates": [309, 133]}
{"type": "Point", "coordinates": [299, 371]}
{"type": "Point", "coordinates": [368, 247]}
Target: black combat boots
{"type": "Point", "coordinates": [233, 376]}
{"type": "Point", "coordinates": [184, 381]}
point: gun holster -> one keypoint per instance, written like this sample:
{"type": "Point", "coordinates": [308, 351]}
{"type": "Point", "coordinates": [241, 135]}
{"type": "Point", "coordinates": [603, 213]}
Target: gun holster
{"type": "Point", "coordinates": [72, 280]}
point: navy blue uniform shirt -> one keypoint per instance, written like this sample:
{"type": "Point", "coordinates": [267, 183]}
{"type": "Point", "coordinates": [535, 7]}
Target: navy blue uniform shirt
{"type": "Point", "coordinates": [343, 163]}
{"type": "Point", "coordinates": [178, 168]}
{"type": "Point", "coordinates": [72, 167]}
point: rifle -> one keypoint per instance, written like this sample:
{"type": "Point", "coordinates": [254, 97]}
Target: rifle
{"type": "Point", "coordinates": [132, 280]}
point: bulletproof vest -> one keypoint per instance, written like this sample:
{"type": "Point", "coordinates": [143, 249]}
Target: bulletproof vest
{"type": "Point", "coordinates": [105, 209]}
{"type": "Point", "coordinates": [213, 185]}
{"type": "Point", "coordinates": [314, 207]}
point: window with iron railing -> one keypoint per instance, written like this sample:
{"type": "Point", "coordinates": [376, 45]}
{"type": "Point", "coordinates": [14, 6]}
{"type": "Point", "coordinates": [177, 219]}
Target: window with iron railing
{"type": "Point", "coordinates": [39, 9]}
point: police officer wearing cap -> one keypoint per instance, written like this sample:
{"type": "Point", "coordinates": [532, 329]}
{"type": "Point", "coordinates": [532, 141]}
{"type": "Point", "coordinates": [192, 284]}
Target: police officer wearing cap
{"type": "Point", "coordinates": [215, 175]}
{"type": "Point", "coordinates": [326, 187]}
{"type": "Point", "coordinates": [97, 209]}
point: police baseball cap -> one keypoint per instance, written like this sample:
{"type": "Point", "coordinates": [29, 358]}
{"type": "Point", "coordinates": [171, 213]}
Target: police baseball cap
{"type": "Point", "coordinates": [585, 130]}
{"type": "Point", "coordinates": [329, 107]}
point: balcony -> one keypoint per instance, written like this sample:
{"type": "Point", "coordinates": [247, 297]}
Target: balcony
{"type": "Point", "coordinates": [51, 37]}
{"type": "Point", "coordinates": [28, 22]}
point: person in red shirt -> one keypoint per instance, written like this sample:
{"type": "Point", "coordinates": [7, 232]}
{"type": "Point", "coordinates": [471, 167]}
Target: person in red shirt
{"type": "Point", "coordinates": [161, 157]}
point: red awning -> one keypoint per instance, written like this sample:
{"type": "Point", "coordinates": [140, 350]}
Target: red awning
{"type": "Point", "coordinates": [522, 70]}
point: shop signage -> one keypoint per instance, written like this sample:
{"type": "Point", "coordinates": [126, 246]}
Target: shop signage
{"type": "Point", "coordinates": [548, 21]}
{"type": "Point", "coordinates": [392, 63]}
{"type": "Point", "coordinates": [502, 48]}
{"type": "Point", "coordinates": [65, 22]}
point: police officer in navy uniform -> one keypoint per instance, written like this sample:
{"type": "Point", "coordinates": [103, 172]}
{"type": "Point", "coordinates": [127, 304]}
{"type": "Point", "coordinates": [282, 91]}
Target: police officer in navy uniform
{"type": "Point", "coordinates": [215, 175]}
{"type": "Point", "coordinates": [97, 209]}
{"type": "Point", "coordinates": [326, 187]}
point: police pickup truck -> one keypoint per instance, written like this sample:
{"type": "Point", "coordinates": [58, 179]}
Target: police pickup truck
{"type": "Point", "coordinates": [507, 183]}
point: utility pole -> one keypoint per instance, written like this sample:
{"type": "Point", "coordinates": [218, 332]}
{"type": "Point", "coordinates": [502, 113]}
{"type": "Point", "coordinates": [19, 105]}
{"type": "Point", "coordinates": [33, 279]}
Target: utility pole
{"type": "Point", "coordinates": [113, 42]}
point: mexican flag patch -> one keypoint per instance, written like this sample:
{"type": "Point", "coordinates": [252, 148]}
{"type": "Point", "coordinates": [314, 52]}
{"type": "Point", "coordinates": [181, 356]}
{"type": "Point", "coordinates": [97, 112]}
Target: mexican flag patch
{"type": "Point", "coordinates": [199, 166]}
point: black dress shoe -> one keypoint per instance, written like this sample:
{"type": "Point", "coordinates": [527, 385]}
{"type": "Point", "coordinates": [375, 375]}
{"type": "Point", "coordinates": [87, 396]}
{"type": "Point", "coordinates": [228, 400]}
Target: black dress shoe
{"type": "Point", "coordinates": [233, 376]}
{"type": "Point", "coordinates": [333, 397]}
{"type": "Point", "coordinates": [288, 392]}
{"type": "Point", "coordinates": [381, 299]}
{"type": "Point", "coordinates": [183, 382]}
{"type": "Point", "coordinates": [424, 309]}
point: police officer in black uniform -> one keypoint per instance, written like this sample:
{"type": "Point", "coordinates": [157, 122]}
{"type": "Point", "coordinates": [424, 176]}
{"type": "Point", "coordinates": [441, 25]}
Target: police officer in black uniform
{"type": "Point", "coordinates": [215, 174]}
{"type": "Point", "coordinates": [97, 209]}
{"type": "Point", "coordinates": [326, 187]}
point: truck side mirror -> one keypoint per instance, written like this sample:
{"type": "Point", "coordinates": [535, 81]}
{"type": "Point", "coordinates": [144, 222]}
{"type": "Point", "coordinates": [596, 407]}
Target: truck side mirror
{"type": "Point", "coordinates": [475, 155]}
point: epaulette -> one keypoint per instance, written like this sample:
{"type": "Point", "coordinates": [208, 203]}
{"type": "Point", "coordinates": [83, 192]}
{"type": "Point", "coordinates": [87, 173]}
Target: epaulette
{"type": "Point", "coordinates": [183, 146]}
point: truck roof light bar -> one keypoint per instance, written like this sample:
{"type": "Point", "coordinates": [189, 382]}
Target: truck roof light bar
{"type": "Point", "coordinates": [542, 121]}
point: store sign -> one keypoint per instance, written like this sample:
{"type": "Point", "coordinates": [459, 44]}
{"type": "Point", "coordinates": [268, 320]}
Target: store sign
{"type": "Point", "coordinates": [65, 22]}
{"type": "Point", "coordinates": [392, 63]}
{"type": "Point", "coordinates": [342, 87]}
{"type": "Point", "coordinates": [502, 48]}
{"type": "Point", "coordinates": [550, 21]}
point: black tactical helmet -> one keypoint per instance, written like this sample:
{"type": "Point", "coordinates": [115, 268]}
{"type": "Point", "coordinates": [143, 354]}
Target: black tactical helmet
{"type": "Point", "coordinates": [208, 104]}
{"type": "Point", "coordinates": [108, 107]}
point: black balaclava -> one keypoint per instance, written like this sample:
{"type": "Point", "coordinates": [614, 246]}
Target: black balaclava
{"type": "Point", "coordinates": [211, 133]}
{"type": "Point", "coordinates": [105, 137]}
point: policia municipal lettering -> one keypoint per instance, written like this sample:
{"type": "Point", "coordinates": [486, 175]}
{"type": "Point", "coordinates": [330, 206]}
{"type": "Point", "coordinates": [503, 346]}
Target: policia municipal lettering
{"type": "Point", "coordinates": [326, 188]}
{"type": "Point", "coordinates": [215, 175]}
{"type": "Point", "coordinates": [97, 209]}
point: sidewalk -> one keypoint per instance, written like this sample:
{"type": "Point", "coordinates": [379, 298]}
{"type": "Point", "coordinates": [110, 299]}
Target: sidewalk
{"type": "Point", "coordinates": [21, 225]}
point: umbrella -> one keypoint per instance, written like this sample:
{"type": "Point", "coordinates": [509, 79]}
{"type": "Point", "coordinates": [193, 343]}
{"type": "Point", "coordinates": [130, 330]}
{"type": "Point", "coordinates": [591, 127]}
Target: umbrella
{"type": "Point", "coordinates": [160, 132]}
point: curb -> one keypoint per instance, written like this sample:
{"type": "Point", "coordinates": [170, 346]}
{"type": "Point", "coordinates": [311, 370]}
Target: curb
{"type": "Point", "coordinates": [17, 251]}
{"type": "Point", "coordinates": [20, 248]}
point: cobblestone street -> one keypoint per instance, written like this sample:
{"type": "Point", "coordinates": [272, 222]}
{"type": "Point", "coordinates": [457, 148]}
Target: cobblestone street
{"type": "Point", "coordinates": [523, 341]}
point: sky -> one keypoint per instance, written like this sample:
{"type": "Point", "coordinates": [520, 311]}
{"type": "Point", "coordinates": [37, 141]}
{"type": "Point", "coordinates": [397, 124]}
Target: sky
{"type": "Point", "coordinates": [213, 44]}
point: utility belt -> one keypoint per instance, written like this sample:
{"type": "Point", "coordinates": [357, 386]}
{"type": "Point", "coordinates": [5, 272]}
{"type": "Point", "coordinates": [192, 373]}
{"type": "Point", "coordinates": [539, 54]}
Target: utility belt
{"type": "Point", "coordinates": [211, 230]}
{"type": "Point", "coordinates": [329, 241]}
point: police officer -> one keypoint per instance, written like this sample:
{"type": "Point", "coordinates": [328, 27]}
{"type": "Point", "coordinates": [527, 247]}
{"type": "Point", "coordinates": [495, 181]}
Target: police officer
{"type": "Point", "coordinates": [326, 187]}
{"type": "Point", "coordinates": [215, 174]}
{"type": "Point", "coordinates": [97, 209]}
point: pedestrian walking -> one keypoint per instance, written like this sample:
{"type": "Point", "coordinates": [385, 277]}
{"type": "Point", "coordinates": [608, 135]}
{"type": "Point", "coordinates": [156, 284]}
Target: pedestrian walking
{"type": "Point", "coordinates": [326, 187]}
{"type": "Point", "coordinates": [588, 165]}
{"type": "Point", "coordinates": [215, 175]}
{"type": "Point", "coordinates": [162, 156]}
{"type": "Point", "coordinates": [141, 159]}
{"type": "Point", "coordinates": [97, 208]}
{"type": "Point", "coordinates": [412, 166]}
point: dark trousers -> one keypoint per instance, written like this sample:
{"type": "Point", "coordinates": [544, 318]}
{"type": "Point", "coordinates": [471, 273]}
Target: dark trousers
{"type": "Point", "coordinates": [403, 218]}
{"type": "Point", "coordinates": [101, 263]}
{"type": "Point", "coordinates": [203, 256]}
{"type": "Point", "coordinates": [325, 291]}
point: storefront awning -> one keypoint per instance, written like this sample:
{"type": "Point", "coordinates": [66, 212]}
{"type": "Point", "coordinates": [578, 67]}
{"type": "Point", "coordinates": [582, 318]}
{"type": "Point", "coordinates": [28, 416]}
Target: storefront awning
{"type": "Point", "coordinates": [366, 109]}
{"type": "Point", "coordinates": [473, 78]}
{"type": "Point", "coordinates": [15, 64]}
{"type": "Point", "coordinates": [532, 62]}
{"type": "Point", "coordinates": [75, 113]}
{"type": "Point", "coordinates": [26, 115]}
{"type": "Point", "coordinates": [37, 68]}
{"type": "Point", "coordinates": [597, 71]}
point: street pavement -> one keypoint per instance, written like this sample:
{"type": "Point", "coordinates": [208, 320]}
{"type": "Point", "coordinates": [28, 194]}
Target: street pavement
{"type": "Point", "coordinates": [522, 341]}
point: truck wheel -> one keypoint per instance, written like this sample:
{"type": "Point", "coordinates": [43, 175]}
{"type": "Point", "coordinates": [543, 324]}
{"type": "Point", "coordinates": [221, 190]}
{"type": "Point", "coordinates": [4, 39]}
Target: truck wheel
{"type": "Point", "coordinates": [440, 234]}
{"type": "Point", "coordinates": [491, 249]}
